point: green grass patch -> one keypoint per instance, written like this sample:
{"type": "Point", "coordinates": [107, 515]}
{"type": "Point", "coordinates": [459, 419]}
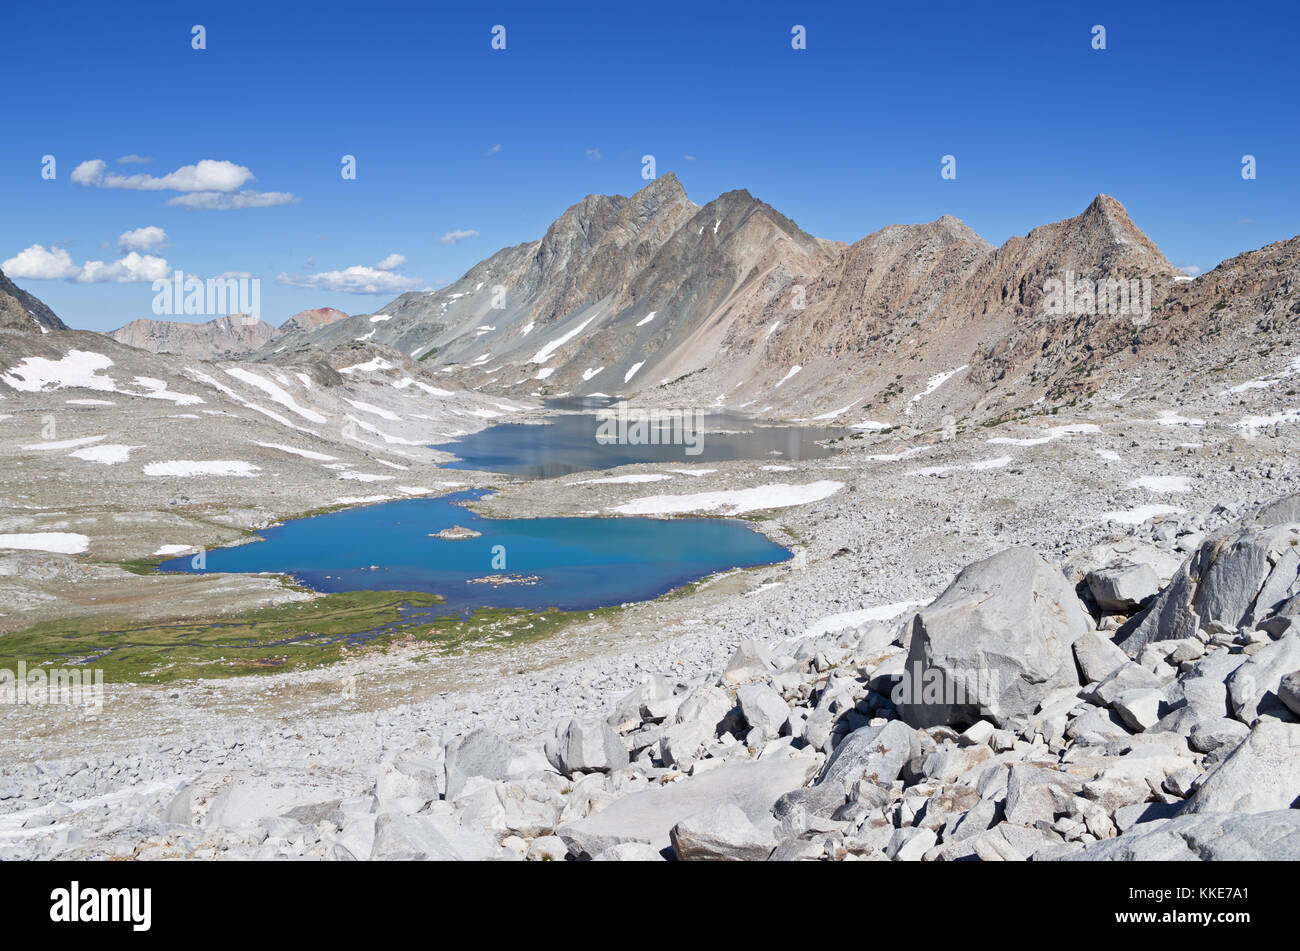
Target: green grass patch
{"type": "Point", "coordinates": [275, 639]}
{"type": "Point", "coordinates": [494, 627]}
{"type": "Point", "coordinates": [270, 639]}
{"type": "Point", "coordinates": [143, 566]}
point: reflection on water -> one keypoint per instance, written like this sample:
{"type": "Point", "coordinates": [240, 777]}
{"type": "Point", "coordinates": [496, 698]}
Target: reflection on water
{"type": "Point", "coordinates": [591, 433]}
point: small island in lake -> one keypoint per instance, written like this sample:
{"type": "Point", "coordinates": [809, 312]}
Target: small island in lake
{"type": "Point", "coordinates": [456, 533]}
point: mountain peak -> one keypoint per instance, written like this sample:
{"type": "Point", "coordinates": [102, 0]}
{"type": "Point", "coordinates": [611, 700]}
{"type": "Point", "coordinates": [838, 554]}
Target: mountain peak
{"type": "Point", "coordinates": [1103, 235]}
{"type": "Point", "coordinates": [738, 209]}
{"type": "Point", "coordinates": [662, 193]}
{"type": "Point", "coordinates": [952, 225]}
{"type": "Point", "coordinates": [666, 184]}
{"type": "Point", "coordinates": [226, 337]}
{"type": "Point", "coordinates": [309, 320]}
{"type": "Point", "coordinates": [21, 311]}
{"type": "Point", "coordinates": [1106, 213]}
{"type": "Point", "coordinates": [1108, 209]}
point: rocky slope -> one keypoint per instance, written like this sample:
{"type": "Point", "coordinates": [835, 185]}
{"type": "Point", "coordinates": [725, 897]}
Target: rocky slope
{"type": "Point", "coordinates": [999, 722]}
{"type": "Point", "coordinates": [938, 303]}
{"type": "Point", "coordinates": [21, 311]}
{"type": "Point", "coordinates": [115, 449]}
{"type": "Point", "coordinates": [586, 255]}
{"type": "Point", "coordinates": [308, 320]}
{"type": "Point", "coordinates": [733, 305]}
{"type": "Point", "coordinates": [221, 338]}
{"type": "Point", "coordinates": [1099, 591]}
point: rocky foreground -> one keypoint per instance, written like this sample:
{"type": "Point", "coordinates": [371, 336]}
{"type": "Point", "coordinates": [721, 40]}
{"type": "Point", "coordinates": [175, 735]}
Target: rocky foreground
{"type": "Point", "coordinates": [1023, 714]}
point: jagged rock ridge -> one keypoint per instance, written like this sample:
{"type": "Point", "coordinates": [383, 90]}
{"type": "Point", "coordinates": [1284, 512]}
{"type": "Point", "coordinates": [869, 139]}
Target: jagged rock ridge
{"type": "Point", "coordinates": [221, 338]}
{"type": "Point", "coordinates": [732, 304]}
{"type": "Point", "coordinates": [21, 311]}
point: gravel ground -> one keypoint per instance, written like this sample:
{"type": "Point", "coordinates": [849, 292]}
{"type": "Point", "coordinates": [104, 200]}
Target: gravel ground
{"type": "Point", "coordinates": [896, 532]}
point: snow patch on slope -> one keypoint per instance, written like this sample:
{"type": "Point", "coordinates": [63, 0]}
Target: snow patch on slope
{"type": "Point", "coordinates": [60, 543]}
{"type": "Point", "coordinates": [732, 501]}
{"type": "Point", "coordinates": [187, 468]}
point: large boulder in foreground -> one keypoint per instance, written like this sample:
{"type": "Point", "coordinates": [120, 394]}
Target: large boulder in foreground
{"type": "Point", "coordinates": [1121, 589]}
{"type": "Point", "coordinates": [1216, 837]}
{"type": "Point", "coordinates": [1288, 691]}
{"type": "Point", "coordinates": [650, 815]}
{"type": "Point", "coordinates": [1238, 578]}
{"type": "Point", "coordinates": [1255, 687]}
{"type": "Point", "coordinates": [586, 746]}
{"type": "Point", "coordinates": [722, 834]}
{"type": "Point", "coordinates": [481, 753]}
{"type": "Point", "coordinates": [874, 753]}
{"type": "Point", "coordinates": [426, 838]}
{"type": "Point", "coordinates": [241, 798]}
{"type": "Point", "coordinates": [995, 644]}
{"type": "Point", "coordinates": [1260, 775]}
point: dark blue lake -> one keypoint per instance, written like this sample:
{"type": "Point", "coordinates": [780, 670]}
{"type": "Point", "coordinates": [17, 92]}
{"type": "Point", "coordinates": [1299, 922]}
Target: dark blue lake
{"type": "Point", "coordinates": [576, 442]}
{"type": "Point", "coordinates": [577, 563]}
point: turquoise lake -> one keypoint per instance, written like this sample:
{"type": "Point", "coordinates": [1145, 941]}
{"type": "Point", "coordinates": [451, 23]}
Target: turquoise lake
{"type": "Point", "coordinates": [578, 563]}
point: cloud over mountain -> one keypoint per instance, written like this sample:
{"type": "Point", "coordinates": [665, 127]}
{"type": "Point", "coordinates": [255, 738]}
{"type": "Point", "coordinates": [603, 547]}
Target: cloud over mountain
{"type": "Point", "coordinates": [358, 279]}
{"type": "Point", "coordinates": [50, 264]}
{"type": "Point", "coordinates": [38, 263]}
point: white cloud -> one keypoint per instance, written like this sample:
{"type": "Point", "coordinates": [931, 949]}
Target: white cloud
{"type": "Point", "coordinates": [142, 239]}
{"type": "Point", "coordinates": [494, 150]}
{"type": "Point", "coordinates": [208, 175]}
{"type": "Point", "coordinates": [38, 264]}
{"type": "Point", "coordinates": [357, 279]}
{"type": "Point", "coordinates": [219, 201]}
{"type": "Point", "coordinates": [451, 237]}
{"type": "Point", "coordinates": [593, 154]}
{"type": "Point", "coordinates": [391, 263]}
{"type": "Point", "coordinates": [132, 269]}
{"type": "Point", "coordinates": [89, 173]}
{"type": "Point", "coordinates": [207, 185]}
{"type": "Point", "coordinates": [134, 159]}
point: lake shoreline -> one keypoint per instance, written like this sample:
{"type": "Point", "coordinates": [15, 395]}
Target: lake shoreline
{"type": "Point", "coordinates": [582, 563]}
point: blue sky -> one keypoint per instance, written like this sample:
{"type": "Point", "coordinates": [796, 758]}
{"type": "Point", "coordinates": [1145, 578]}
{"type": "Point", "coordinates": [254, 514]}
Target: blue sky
{"type": "Point", "coordinates": [452, 136]}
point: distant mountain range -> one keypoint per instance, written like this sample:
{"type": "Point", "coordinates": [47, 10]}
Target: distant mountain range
{"type": "Point", "coordinates": [733, 305]}
{"type": "Point", "coordinates": [222, 338]}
